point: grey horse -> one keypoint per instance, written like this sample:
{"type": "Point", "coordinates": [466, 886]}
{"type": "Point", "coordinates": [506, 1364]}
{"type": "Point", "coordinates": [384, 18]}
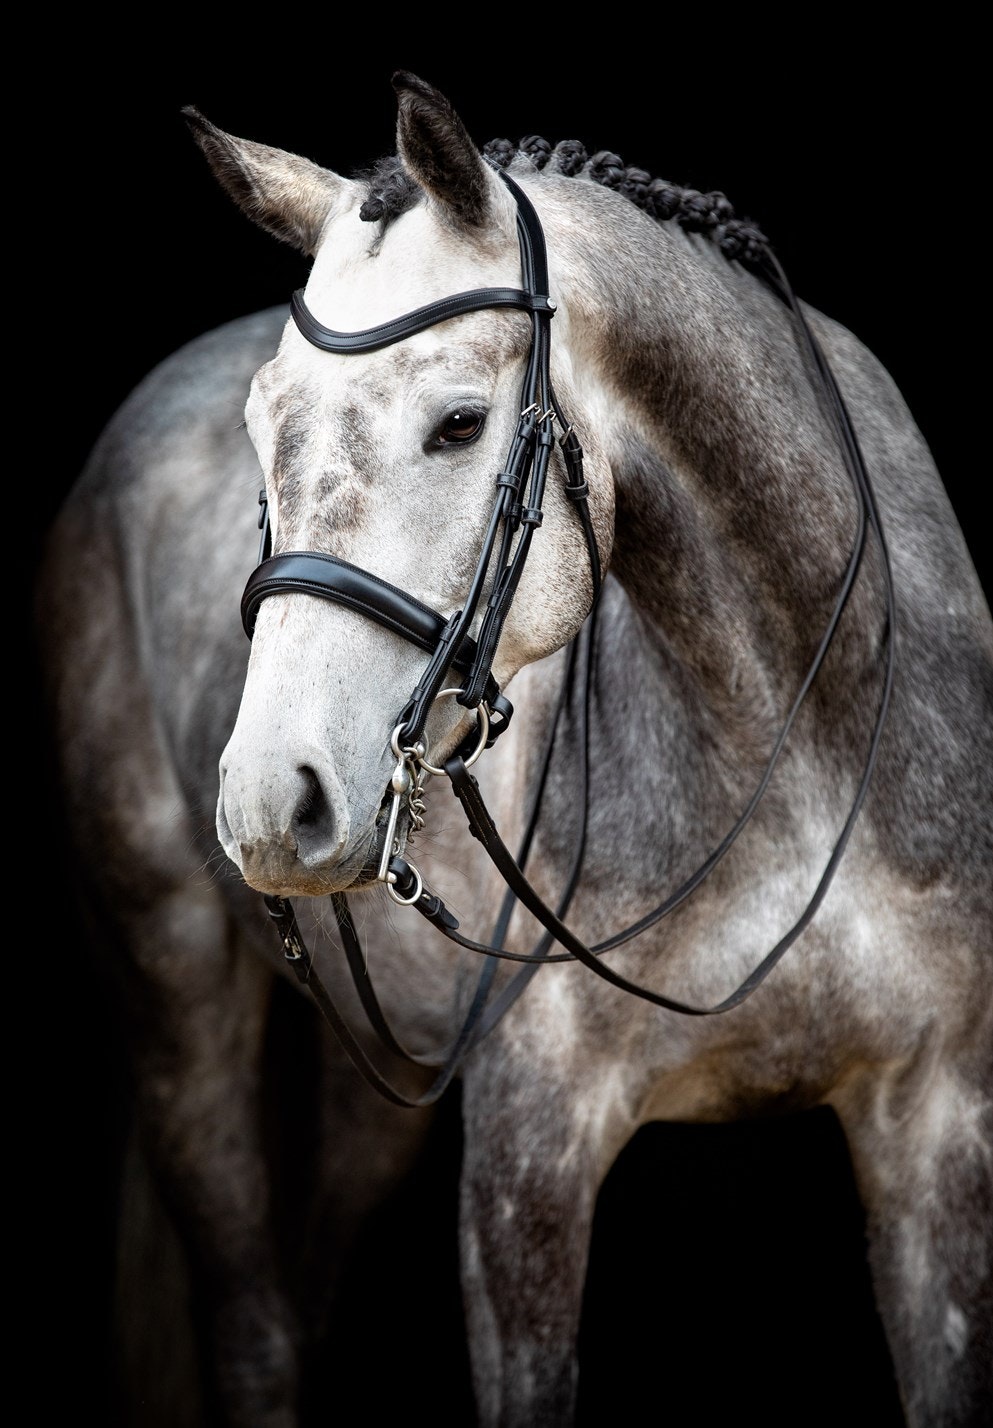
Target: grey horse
{"type": "Point", "coordinates": [202, 774]}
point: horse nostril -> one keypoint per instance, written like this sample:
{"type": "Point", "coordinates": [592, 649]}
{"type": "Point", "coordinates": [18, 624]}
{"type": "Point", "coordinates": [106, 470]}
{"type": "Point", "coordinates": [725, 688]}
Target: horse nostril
{"type": "Point", "coordinates": [314, 827]}
{"type": "Point", "coordinates": [312, 810]}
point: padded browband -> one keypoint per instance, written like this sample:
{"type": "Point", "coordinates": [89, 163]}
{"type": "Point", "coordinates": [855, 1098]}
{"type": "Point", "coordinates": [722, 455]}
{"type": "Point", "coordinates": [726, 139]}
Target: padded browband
{"type": "Point", "coordinates": [370, 339]}
{"type": "Point", "coordinates": [311, 573]}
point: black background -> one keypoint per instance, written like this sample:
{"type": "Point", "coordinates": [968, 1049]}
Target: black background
{"type": "Point", "coordinates": [728, 1263]}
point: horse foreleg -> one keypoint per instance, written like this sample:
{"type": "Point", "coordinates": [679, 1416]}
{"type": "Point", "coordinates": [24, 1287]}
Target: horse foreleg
{"type": "Point", "coordinates": [531, 1171]}
{"type": "Point", "coordinates": [197, 1013]}
{"type": "Point", "coordinates": [922, 1150]}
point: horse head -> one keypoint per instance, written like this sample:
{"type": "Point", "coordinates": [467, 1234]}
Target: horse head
{"type": "Point", "coordinates": [389, 460]}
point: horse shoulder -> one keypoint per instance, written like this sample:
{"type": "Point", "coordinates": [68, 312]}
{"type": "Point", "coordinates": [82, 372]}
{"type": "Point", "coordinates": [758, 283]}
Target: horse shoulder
{"type": "Point", "coordinates": [932, 793]}
{"type": "Point", "coordinates": [128, 616]}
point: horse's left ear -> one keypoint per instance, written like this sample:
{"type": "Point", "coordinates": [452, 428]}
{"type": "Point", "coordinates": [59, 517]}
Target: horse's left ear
{"type": "Point", "coordinates": [437, 151]}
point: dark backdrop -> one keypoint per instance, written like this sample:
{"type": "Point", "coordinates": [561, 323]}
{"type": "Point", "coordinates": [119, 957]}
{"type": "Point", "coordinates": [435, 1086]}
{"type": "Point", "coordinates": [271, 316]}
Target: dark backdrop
{"type": "Point", "coordinates": [728, 1263]}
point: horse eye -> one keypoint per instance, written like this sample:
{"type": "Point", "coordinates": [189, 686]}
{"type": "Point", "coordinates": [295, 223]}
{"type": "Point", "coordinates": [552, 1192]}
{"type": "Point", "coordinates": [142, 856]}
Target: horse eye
{"type": "Point", "coordinates": [460, 427]}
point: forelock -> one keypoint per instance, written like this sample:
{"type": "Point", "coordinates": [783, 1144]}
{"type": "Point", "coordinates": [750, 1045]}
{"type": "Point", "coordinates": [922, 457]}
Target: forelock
{"type": "Point", "coordinates": [390, 191]}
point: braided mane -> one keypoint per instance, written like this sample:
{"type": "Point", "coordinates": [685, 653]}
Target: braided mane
{"type": "Point", "coordinates": [392, 191]}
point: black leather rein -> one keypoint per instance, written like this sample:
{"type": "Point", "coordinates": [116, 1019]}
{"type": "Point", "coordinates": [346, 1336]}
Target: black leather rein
{"type": "Point", "coordinates": [515, 516]}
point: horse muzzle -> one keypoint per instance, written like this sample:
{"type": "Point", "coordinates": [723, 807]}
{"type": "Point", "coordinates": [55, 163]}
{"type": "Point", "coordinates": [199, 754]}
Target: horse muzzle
{"type": "Point", "coordinates": [290, 833]}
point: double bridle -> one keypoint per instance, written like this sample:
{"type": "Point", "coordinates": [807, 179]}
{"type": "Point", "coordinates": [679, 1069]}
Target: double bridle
{"type": "Point", "coordinates": [515, 516]}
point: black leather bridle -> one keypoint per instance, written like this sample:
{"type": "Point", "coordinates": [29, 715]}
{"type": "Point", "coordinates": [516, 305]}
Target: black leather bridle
{"type": "Point", "coordinates": [516, 512]}
{"type": "Point", "coordinates": [515, 516]}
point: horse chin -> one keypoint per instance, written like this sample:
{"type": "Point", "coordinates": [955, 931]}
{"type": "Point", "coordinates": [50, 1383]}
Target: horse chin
{"type": "Point", "coordinates": [276, 873]}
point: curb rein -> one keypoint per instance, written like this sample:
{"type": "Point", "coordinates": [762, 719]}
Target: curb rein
{"type": "Point", "coordinates": [517, 511]}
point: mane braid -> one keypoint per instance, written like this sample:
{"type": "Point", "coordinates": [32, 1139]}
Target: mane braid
{"type": "Point", "coordinates": [391, 191]}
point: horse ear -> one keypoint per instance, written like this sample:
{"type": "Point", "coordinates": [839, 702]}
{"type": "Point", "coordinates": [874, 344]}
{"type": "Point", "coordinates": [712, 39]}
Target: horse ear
{"type": "Point", "coordinates": [437, 151]}
{"type": "Point", "coordinates": [285, 194]}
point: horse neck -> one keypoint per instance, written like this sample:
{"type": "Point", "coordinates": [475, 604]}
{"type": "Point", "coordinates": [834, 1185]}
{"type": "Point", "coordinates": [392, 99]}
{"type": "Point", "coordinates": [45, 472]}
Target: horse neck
{"type": "Point", "coordinates": [735, 517]}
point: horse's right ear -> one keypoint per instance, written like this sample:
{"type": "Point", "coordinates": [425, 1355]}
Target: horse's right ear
{"type": "Point", "coordinates": [285, 194]}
